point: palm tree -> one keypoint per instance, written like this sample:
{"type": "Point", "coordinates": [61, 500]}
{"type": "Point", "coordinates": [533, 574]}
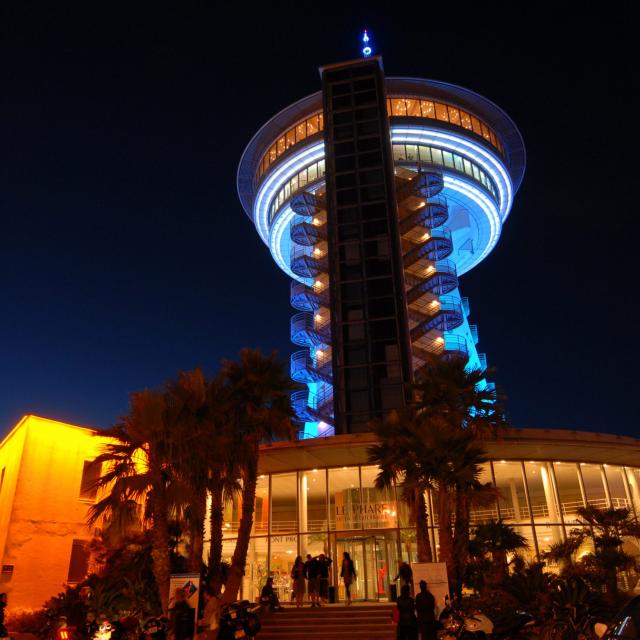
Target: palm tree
{"type": "Point", "coordinates": [425, 453]}
{"type": "Point", "coordinates": [145, 465]}
{"type": "Point", "coordinates": [139, 469]}
{"type": "Point", "coordinates": [607, 528]}
{"type": "Point", "coordinates": [394, 454]}
{"type": "Point", "coordinates": [260, 412]}
{"type": "Point", "coordinates": [497, 539]}
{"type": "Point", "coordinates": [447, 389]}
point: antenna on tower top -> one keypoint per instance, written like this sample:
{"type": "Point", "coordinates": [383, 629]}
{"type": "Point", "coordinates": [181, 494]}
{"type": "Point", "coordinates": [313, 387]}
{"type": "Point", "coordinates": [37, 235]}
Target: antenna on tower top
{"type": "Point", "coordinates": [366, 49]}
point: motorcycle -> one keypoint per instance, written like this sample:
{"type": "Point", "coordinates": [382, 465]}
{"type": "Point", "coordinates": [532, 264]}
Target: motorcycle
{"type": "Point", "coordinates": [460, 625]}
{"type": "Point", "coordinates": [155, 628]}
{"type": "Point", "coordinates": [239, 621]}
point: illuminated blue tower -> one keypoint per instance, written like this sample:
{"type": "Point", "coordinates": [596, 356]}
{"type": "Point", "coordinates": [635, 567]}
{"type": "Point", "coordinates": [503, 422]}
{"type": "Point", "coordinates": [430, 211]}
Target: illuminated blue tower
{"type": "Point", "coordinates": [375, 195]}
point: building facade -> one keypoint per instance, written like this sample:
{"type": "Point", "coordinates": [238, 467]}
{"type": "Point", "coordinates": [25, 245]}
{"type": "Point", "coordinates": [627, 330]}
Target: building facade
{"type": "Point", "coordinates": [318, 496]}
{"type": "Point", "coordinates": [375, 195]}
{"type": "Point", "coordinates": [46, 488]}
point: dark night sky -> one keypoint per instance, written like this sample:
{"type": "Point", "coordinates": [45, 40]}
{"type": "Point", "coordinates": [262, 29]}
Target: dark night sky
{"type": "Point", "coordinates": [125, 255]}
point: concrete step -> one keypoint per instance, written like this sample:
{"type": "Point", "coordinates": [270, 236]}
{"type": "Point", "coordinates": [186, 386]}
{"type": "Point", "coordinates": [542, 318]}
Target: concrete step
{"type": "Point", "coordinates": [333, 622]}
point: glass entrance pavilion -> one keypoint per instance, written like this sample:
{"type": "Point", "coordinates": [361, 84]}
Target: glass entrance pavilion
{"type": "Point", "coordinates": [319, 496]}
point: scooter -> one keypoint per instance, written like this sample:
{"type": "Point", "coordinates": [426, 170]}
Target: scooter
{"type": "Point", "coordinates": [239, 621]}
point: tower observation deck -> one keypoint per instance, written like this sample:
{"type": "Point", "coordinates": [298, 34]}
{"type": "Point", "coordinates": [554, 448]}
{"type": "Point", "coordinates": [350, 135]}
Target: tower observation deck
{"type": "Point", "coordinates": [375, 195]}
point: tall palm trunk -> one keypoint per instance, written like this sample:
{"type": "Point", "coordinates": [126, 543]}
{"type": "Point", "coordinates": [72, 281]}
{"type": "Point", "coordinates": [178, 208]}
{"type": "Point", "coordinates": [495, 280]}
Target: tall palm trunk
{"type": "Point", "coordinates": [461, 537]}
{"type": "Point", "coordinates": [160, 543]}
{"type": "Point", "coordinates": [216, 522]}
{"type": "Point", "coordinates": [444, 531]}
{"type": "Point", "coordinates": [236, 571]}
{"type": "Point", "coordinates": [422, 530]}
{"type": "Point", "coordinates": [196, 548]}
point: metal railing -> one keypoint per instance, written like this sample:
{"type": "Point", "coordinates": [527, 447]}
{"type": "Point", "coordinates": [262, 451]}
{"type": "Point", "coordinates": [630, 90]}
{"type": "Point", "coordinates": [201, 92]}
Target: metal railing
{"type": "Point", "coordinates": [431, 214]}
{"type": "Point", "coordinates": [307, 204]}
{"type": "Point", "coordinates": [306, 262]}
{"type": "Point", "coordinates": [439, 278]}
{"type": "Point", "coordinates": [307, 368]}
{"type": "Point", "coordinates": [307, 330]}
{"type": "Point", "coordinates": [437, 246]}
{"type": "Point", "coordinates": [425, 184]}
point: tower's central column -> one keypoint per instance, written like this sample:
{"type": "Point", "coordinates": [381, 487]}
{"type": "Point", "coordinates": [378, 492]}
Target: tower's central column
{"type": "Point", "coordinates": [370, 340]}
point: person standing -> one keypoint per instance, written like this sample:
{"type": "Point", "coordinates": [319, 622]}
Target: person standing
{"type": "Point", "coordinates": [312, 573]}
{"type": "Point", "coordinates": [3, 603]}
{"type": "Point", "coordinates": [297, 576]}
{"type": "Point", "coordinates": [405, 575]}
{"type": "Point", "coordinates": [407, 622]}
{"type": "Point", "coordinates": [324, 564]}
{"type": "Point", "coordinates": [181, 617]}
{"type": "Point", "coordinates": [348, 575]}
{"type": "Point", "coordinates": [78, 613]}
{"type": "Point", "coordinates": [426, 610]}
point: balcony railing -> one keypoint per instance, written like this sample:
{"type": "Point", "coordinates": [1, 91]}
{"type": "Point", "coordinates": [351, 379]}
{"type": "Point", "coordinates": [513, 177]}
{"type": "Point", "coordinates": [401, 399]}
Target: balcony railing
{"type": "Point", "coordinates": [438, 278]}
{"type": "Point", "coordinates": [311, 329]}
{"type": "Point", "coordinates": [432, 213]}
{"type": "Point", "coordinates": [425, 184]}
{"type": "Point", "coordinates": [437, 245]}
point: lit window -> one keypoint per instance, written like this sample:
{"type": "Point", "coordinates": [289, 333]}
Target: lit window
{"type": "Point", "coordinates": [398, 107]}
{"type": "Point", "coordinates": [465, 119]}
{"type": "Point", "coordinates": [454, 116]}
{"type": "Point", "coordinates": [441, 112]}
{"type": "Point", "coordinates": [413, 108]}
{"type": "Point", "coordinates": [281, 145]}
{"type": "Point", "coordinates": [428, 109]}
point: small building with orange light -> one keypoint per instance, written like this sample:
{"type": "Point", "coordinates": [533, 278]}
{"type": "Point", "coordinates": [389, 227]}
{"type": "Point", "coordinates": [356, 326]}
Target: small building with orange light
{"type": "Point", "coordinates": [46, 489]}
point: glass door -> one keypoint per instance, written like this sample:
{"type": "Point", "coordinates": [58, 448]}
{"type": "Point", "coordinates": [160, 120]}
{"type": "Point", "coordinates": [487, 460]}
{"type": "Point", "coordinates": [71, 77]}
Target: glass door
{"type": "Point", "coordinates": [354, 546]}
{"type": "Point", "coordinates": [374, 558]}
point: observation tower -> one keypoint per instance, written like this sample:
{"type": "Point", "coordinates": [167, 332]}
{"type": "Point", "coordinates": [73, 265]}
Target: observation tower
{"type": "Point", "coordinates": [375, 195]}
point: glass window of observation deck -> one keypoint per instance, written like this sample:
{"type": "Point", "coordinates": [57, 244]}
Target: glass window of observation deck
{"type": "Point", "coordinates": [428, 109]}
{"type": "Point", "coordinates": [441, 112]}
{"type": "Point", "coordinates": [454, 116]}
{"type": "Point", "coordinates": [413, 108]}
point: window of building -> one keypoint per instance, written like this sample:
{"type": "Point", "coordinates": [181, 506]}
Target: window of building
{"type": "Point", "coordinates": [89, 484]}
{"type": "Point", "coordinates": [593, 478]}
{"type": "Point", "coordinates": [512, 498]}
{"type": "Point", "coordinates": [2, 478]}
{"type": "Point", "coordinates": [344, 496]}
{"type": "Point", "coordinates": [284, 496]}
{"type": "Point", "coordinates": [79, 561]}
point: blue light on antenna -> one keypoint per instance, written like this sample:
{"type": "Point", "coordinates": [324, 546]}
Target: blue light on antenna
{"type": "Point", "coordinates": [366, 50]}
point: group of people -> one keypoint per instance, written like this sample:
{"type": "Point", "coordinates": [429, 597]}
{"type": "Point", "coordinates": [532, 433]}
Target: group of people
{"type": "Point", "coordinates": [416, 615]}
{"type": "Point", "coordinates": [311, 576]}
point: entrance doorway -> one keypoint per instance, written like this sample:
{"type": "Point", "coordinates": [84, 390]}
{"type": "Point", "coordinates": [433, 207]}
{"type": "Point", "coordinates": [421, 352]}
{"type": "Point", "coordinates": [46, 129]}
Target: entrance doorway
{"type": "Point", "coordinates": [374, 556]}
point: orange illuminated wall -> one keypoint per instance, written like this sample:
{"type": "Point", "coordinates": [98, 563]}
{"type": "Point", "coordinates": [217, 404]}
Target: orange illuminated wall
{"type": "Point", "coordinates": [41, 508]}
